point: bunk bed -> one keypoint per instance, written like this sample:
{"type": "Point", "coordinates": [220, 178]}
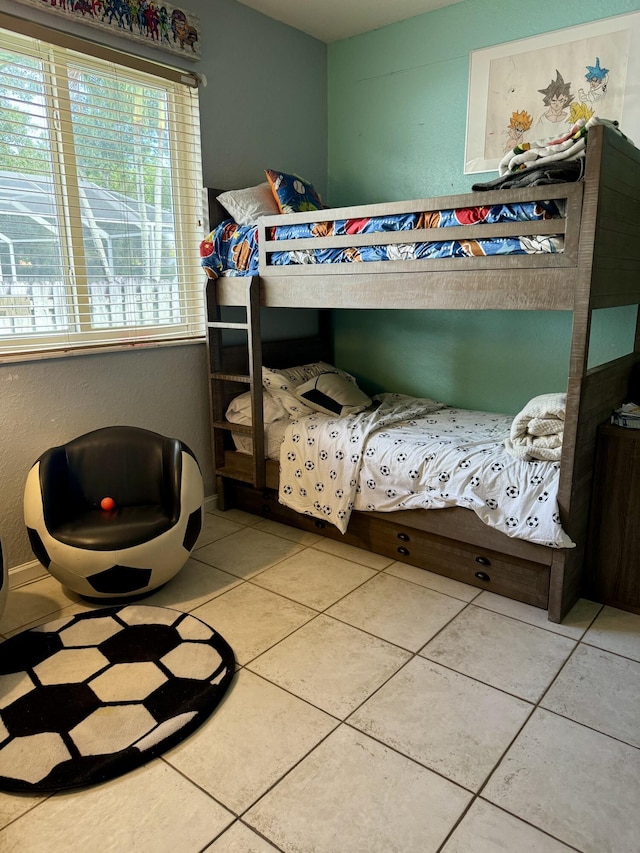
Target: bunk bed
{"type": "Point", "coordinates": [594, 263]}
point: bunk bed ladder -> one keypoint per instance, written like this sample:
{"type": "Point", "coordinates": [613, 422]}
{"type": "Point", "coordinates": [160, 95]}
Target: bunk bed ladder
{"type": "Point", "coordinates": [223, 379]}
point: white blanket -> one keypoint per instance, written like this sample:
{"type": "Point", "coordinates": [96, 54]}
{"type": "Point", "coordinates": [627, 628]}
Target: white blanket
{"type": "Point", "coordinates": [536, 431]}
{"type": "Point", "coordinates": [569, 145]}
{"type": "Point", "coordinates": [416, 453]}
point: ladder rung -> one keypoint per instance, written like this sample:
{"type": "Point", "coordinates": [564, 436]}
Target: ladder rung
{"type": "Point", "coordinates": [230, 377]}
{"type": "Point", "coordinates": [219, 325]}
{"type": "Point", "coordinates": [243, 476]}
{"type": "Point", "coordinates": [229, 427]}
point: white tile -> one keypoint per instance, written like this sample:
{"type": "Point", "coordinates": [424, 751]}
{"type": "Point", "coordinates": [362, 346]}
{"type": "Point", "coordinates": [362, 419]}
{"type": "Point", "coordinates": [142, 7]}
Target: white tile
{"type": "Point", "coordinates": [254, 737]}
{"type": "Point", "coordinates": [252, 619]}
{"type": "Point", "coordinates": [397, 611]}
{"type": "Point", "coordinates": [215, 527]}
{"type": "Point", "coordinates": [600, 690]}
{"type": "Point", "coordinates": [581, 786]}
{"type": "Point", "coordinates": [152, 810]}
{"type": "Point", "coordinates": [240, 839]}
{"type": "Point", "coordinates": [444, 720]}
{"type": "Point", "coordinates": [331, 665]}
{"type": "Point", "coordinates": [247, 552]}
{"type": "Point", "coordinates": [239, 516]}
{"type": "Point", "coordinates": [314, 578]}
{"type": "Point", "coordinates": [500, 651]}
{"type": "Point", "coordinates": [286, 531]}
{"type": "Point", "coordinates": [194, 584]}
{"type": "Point", "coordinates": [487, 829]}
{"type": "Point", "coordinates": [439, 583]}
{"type": "Point", "coordinates": [14, 805]}
{"type": "Point", "coordinates": [617, 631]}
{"type": "Point", "coordinates": [573, 625]}
{"type": "Point", "coordinates": [33, 603]}
{"type": "Point", "coordinates": [353, 795]}
{"type": "Point", "coordinates": [69, 610]}
{"type": "Point", "coordinates": [350, 552]}
{"type": "Point", "coordinates": [565, 784]}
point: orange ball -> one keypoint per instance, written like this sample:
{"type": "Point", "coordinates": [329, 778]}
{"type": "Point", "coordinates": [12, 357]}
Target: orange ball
{"type": "Point", "coordinates": [107, 503]}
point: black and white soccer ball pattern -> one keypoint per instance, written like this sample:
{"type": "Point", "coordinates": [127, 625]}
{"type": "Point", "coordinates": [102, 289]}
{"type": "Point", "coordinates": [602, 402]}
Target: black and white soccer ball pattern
{"type": "Point", "coordinates": [124, 572]}
{"type": "Point", "coordinates": [94, 695]}
{"type": "Point", "coordinates": [416, 454]}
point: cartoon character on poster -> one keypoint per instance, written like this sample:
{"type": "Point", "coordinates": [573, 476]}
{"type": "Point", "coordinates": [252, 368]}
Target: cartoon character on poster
{"type": "Point", "coordinates": [519, 123]}
{"type": "Point", "coordinates": [598, 80]}
{"type": "Point", "coordinates": [557, 97]}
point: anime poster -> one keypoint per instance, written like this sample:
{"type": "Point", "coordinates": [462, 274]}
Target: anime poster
{"type": "Point", "coordinates": [537, 88]}
{"type": "Point", "coordinates": [150, 21]}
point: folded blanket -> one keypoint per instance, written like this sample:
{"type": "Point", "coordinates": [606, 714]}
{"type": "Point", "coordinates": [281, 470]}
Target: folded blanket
{"type": "Point", "coordinates": [569, 145]}
{"type": "Point", "coordinates": [536, 431]}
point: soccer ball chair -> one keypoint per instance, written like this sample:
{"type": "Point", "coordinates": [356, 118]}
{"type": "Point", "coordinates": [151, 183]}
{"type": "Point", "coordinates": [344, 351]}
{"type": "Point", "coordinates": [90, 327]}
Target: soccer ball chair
{"type": "Point", "coordinates": [138, 545]}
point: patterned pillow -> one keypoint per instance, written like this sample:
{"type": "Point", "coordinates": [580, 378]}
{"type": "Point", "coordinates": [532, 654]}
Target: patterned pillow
{"type": "Point", "coordinates": [282, 389]}
{"type": "Point", "coordinates": [292, 193]}
{"type": "Point", "coordinates": [283, 385]}
{"type": "Point", "coordinates": [332, 394]}
{"type": "Point", "coordinates": [302, 372]}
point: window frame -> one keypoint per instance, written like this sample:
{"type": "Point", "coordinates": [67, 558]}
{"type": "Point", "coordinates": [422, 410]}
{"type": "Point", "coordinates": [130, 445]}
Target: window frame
{"type": "Point", "coordinates": [186, 191]}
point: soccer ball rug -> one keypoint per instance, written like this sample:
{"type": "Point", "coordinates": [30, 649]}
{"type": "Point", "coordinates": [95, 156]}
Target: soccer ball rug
{"type": "Point", "coordinates": [89, 697]}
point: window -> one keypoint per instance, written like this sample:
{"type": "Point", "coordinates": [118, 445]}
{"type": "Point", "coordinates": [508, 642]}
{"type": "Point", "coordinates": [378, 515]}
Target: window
{"type": "Point", "coordinates": [100, 201]}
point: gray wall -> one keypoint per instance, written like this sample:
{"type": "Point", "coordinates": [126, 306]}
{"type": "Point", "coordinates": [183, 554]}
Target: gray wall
{"type": "Point", "coordinates": [256, 114]}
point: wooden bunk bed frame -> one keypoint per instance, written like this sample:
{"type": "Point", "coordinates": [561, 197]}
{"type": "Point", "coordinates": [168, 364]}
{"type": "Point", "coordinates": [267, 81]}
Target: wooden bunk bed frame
{"type": "Point", "coordinates": [599, 268]}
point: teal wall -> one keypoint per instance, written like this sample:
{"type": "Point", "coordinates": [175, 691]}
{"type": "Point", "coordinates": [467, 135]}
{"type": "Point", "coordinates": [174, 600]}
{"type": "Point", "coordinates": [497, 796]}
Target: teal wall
{"type": "Point", "coordinates": [397, 125]}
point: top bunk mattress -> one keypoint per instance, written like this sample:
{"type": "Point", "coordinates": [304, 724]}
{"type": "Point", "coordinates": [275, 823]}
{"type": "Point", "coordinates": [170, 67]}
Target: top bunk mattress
{"type": "Point", "coordinates": [233, 250]}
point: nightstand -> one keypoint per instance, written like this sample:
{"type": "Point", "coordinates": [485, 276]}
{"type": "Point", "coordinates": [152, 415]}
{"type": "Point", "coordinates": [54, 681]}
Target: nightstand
{"type": "Point", "coordinates": [613, 550]}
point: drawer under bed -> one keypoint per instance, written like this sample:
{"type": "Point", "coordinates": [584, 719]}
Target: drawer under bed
{"type": "Point", "coordinates": [503, 573]}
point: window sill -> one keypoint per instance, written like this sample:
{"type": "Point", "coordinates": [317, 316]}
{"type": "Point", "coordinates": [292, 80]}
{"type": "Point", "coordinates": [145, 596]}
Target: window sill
{"type": "Point", "coordinates": [103, 349]}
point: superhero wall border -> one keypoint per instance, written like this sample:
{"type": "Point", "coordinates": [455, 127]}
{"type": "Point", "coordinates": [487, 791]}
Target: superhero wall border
{"type": "Point", "coordinates": [153, 22]}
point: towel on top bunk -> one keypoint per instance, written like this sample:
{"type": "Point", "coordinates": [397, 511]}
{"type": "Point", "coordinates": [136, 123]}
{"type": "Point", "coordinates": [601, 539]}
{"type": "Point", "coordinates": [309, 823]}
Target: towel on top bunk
{"type": "Point", "coordinates": [536, 432]}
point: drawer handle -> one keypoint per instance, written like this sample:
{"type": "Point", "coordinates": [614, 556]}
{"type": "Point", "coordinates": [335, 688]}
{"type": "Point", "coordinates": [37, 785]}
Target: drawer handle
{"type": "Point", "coordinates": [404, 551]}
{"type": "Point", "coordinates": [320, 524]}
{"type": "Point", "coordinates": [266, 508]}
{"type": "Point", "coordinates": [404, 537]}
{"type": "Point", "coordinates": [483, 576]}
{"type": "Point", "coordinates": [484, 561]}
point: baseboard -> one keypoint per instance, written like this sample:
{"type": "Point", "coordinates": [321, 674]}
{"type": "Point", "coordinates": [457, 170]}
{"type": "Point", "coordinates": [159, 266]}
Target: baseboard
{"type": "Point", "coordinates": [35, 571]}
{"type": "Point", "coordinates": [26, 573]}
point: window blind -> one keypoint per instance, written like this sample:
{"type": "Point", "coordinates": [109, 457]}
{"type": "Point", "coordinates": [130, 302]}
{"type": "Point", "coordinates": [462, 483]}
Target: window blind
{"type": "Point", "coordinates": [100, 202]}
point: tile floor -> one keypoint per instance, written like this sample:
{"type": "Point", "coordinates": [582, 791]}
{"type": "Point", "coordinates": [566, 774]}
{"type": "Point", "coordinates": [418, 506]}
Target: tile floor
{"type": "Point", "coordinates": [376, 708]}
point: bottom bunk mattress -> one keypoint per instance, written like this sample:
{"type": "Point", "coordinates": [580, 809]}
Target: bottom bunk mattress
{"type": "Point", "coordinates": [411, 453]}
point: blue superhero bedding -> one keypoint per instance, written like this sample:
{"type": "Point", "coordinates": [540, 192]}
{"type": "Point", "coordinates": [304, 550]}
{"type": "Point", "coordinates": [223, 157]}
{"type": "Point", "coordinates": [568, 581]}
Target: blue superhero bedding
{"type": "Point", "coordinates": [232, 249]}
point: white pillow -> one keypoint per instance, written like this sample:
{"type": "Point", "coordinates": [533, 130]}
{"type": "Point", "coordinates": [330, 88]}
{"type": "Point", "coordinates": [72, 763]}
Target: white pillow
{"type": "Point", "coordinates": [239, 409]}
{"type": "Point", "coordinates": [333, 394]}
{"type": "Point", "coordinates": [247, 205]}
